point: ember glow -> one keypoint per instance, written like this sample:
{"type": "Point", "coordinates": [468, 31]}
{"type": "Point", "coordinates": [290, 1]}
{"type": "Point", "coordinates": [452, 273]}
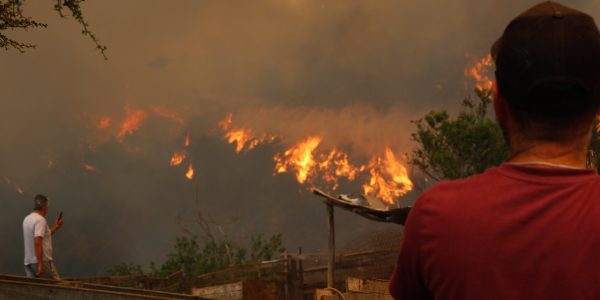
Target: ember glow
{"type": "Point", "coordinates": [121, 126]}
{"type": "Point", "coordinates": [133, 120]}
{"type": "Point", "coordinates": [186, 143]}
{"type": "Point", "coordinates": [177, 158]}
{"type": "Point", "coordinates": [13, 185]}
{"type": "Point", "coordinates": [89, 168]}
{"type": "Point", "coordinates": [190, 172]}
{"type": "Point", "coordinates": [50, 164]}
{"type": "Point", "coordinates": [480, 71]}
{"type": "Point", "coordinates": [104, 122]}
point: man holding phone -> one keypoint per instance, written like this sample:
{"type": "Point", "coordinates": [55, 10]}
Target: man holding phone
{"type": "Point", "coordinates": [37, 236]}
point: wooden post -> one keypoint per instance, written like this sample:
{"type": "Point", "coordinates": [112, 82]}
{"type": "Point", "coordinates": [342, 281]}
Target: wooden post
{"type": "Point", "coordinates": [331, 262]}
{"type": "Point", "coordinates": [286, 271]}
{"type": "Point", "coordinates": [300, 275]}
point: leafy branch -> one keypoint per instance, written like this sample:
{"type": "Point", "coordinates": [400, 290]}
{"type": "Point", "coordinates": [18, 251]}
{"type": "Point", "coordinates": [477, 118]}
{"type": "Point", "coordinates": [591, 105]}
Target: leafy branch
{"type": "Point", "coordinates": [11, 18]}
{"type": "Point", "coordinates": [450, 148]}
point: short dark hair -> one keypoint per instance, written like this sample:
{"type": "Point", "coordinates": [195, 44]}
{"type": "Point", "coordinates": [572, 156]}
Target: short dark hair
{"type": "Point", "coordinates": [39, 202]}
{"type": "Point", "coordinates": [555, 112]}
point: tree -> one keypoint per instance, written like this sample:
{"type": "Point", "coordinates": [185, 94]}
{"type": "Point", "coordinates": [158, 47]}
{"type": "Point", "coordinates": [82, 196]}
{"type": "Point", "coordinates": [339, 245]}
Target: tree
{"type": "Point", "coordinates": [125, 269]}
{"type": "Point", "coordinates": [184, 257]}
{"type": "Point", "coordinates": [213, 255]}
{"type": "Point", "coordinates": [12, 17]}
{"type": "Point", "coordinates": [263, 249]}
{"type": "Point", "coordinates": [451, 148]}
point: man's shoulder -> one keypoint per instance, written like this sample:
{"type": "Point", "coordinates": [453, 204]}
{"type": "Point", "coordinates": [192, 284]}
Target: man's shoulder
{"type": "Point", "coordinates": [33, 218]}
{"type": "Point", "coordinates": [458, 188]}
{"type": "Point", "coordinates": [456, 197]}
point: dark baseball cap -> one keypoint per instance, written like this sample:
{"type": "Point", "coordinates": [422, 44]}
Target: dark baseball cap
{"type": "Point", "coordinates": [548, 43]}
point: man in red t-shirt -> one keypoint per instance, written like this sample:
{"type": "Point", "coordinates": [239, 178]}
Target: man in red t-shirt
{"type": "Point", "coordinates": [529, 229]}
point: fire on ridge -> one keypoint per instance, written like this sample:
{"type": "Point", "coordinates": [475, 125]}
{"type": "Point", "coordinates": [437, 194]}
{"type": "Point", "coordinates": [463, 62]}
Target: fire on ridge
{"type": "Point", "coordinates": [313, 162]}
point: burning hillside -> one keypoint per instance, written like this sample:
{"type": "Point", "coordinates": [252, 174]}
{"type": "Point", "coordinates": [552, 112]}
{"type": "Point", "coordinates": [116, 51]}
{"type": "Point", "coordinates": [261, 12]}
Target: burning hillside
{"type": "Point", "coordinates": [314, 162]}
{"type": "Point", "coordinates": [356, 145]}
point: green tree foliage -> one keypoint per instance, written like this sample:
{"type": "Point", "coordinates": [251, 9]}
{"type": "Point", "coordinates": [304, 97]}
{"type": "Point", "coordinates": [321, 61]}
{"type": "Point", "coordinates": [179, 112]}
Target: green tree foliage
{"type": "Point", "coordinates": [125, 269]}
{"type": "Point", "coordinates": [265, 249]}
{"type": "Point", "coordinates": [451, 148]}
{"type": "Point", "coordinates": [183, 257]}
{"type": "Point", "coordinates": [12, 17]}
{"type": "Point", "coordinates": [213, 255]}
{"type": "Point", "coordinates": [193, 259]}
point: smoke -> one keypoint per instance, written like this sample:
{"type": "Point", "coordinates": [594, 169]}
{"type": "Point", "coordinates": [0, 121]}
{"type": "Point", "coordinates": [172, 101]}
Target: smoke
{"type": "Point", "coordinates": [355, 72]}
{"type": "Point", "coordinates": [357, 127]}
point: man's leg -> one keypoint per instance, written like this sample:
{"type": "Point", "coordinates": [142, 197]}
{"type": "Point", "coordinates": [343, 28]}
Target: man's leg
{"type": "Point", "coordinates": [50, 270]}
{"type": "Point", "coordinates": [30, 270]}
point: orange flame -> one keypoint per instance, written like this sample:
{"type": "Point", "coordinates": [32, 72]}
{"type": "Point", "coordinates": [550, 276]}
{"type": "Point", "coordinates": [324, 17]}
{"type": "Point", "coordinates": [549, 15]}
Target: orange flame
{"type": "Point", "coordinates": [225, 123]}
{"type": "Point", "coordinates": [335, 165]}
{"type": "Point", "coordinates": [104, 122]}
{"type": "Point", "coordinates": [177, 158]}
{"type": "Point", "coordinates": [389, 178]}
{"type": "Point", "coordinates": [50, 164]}
{"type": "Point", "coordinates": [243, 138]}
{"type": "Point", "coordinates": [190, 172]}
{"type": "Point", "coordinates": [133, 120]}
{"type": "Point", "coordinates": [240, 137]}
{"type": "Point", "coordinates": [313, 162]}
{"type": "Point", "coordinates": [298, 158]}
{"type": "Point", "coordinates": [479, 71]}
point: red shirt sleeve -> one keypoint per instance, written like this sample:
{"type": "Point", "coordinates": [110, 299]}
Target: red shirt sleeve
{"type": "Point", "coordinates": [407, 280]}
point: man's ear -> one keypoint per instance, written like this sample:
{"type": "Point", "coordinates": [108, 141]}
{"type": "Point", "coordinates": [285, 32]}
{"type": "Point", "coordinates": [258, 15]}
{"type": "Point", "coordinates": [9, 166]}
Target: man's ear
{"type": "Point", "coordinates": [499, 105]}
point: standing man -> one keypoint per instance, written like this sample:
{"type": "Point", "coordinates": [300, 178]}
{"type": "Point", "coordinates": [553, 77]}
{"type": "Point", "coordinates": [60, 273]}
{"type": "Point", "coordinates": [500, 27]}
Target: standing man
{"type": "Point", "coordinates": [529, 229]}
{"type": "Point", "coordinates": [38, 241]}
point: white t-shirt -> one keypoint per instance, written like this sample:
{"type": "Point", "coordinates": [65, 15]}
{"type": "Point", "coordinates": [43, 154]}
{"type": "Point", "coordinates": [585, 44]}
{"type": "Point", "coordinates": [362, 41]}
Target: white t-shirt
{"type": "Point", "coordinates": [35, 225]}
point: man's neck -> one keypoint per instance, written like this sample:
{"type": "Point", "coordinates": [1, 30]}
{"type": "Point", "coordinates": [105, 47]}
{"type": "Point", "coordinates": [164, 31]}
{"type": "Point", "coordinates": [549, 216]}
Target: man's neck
{"type": "Point", "coordinates": [574, 155]}
{"type": "Point", "coordinates": [40, 212]}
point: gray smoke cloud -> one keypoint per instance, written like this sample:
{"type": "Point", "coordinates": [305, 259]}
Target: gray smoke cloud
{"type": "Point", "coordinates": [355, 72]}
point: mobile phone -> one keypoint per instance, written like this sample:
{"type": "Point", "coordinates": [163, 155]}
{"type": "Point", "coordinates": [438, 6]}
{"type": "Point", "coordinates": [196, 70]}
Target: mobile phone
{"type": "Point", "coordinates": [60, 216]}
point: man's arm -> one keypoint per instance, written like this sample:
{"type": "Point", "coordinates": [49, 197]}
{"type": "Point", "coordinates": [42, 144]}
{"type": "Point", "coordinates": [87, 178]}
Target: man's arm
{"type": "Point", "coordinates": [39, 250]}
{"type": "Point", "coordinates": [57, 226]}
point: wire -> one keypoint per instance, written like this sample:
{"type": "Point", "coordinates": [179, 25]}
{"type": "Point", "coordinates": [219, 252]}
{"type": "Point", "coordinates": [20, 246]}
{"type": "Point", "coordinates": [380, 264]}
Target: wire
{"type": "Point", "coordinates": [337, 292]}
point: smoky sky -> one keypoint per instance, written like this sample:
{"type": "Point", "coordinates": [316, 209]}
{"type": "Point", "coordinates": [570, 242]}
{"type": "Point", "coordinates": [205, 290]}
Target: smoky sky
{"type": "Point", "coordinates": [355, 71]}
